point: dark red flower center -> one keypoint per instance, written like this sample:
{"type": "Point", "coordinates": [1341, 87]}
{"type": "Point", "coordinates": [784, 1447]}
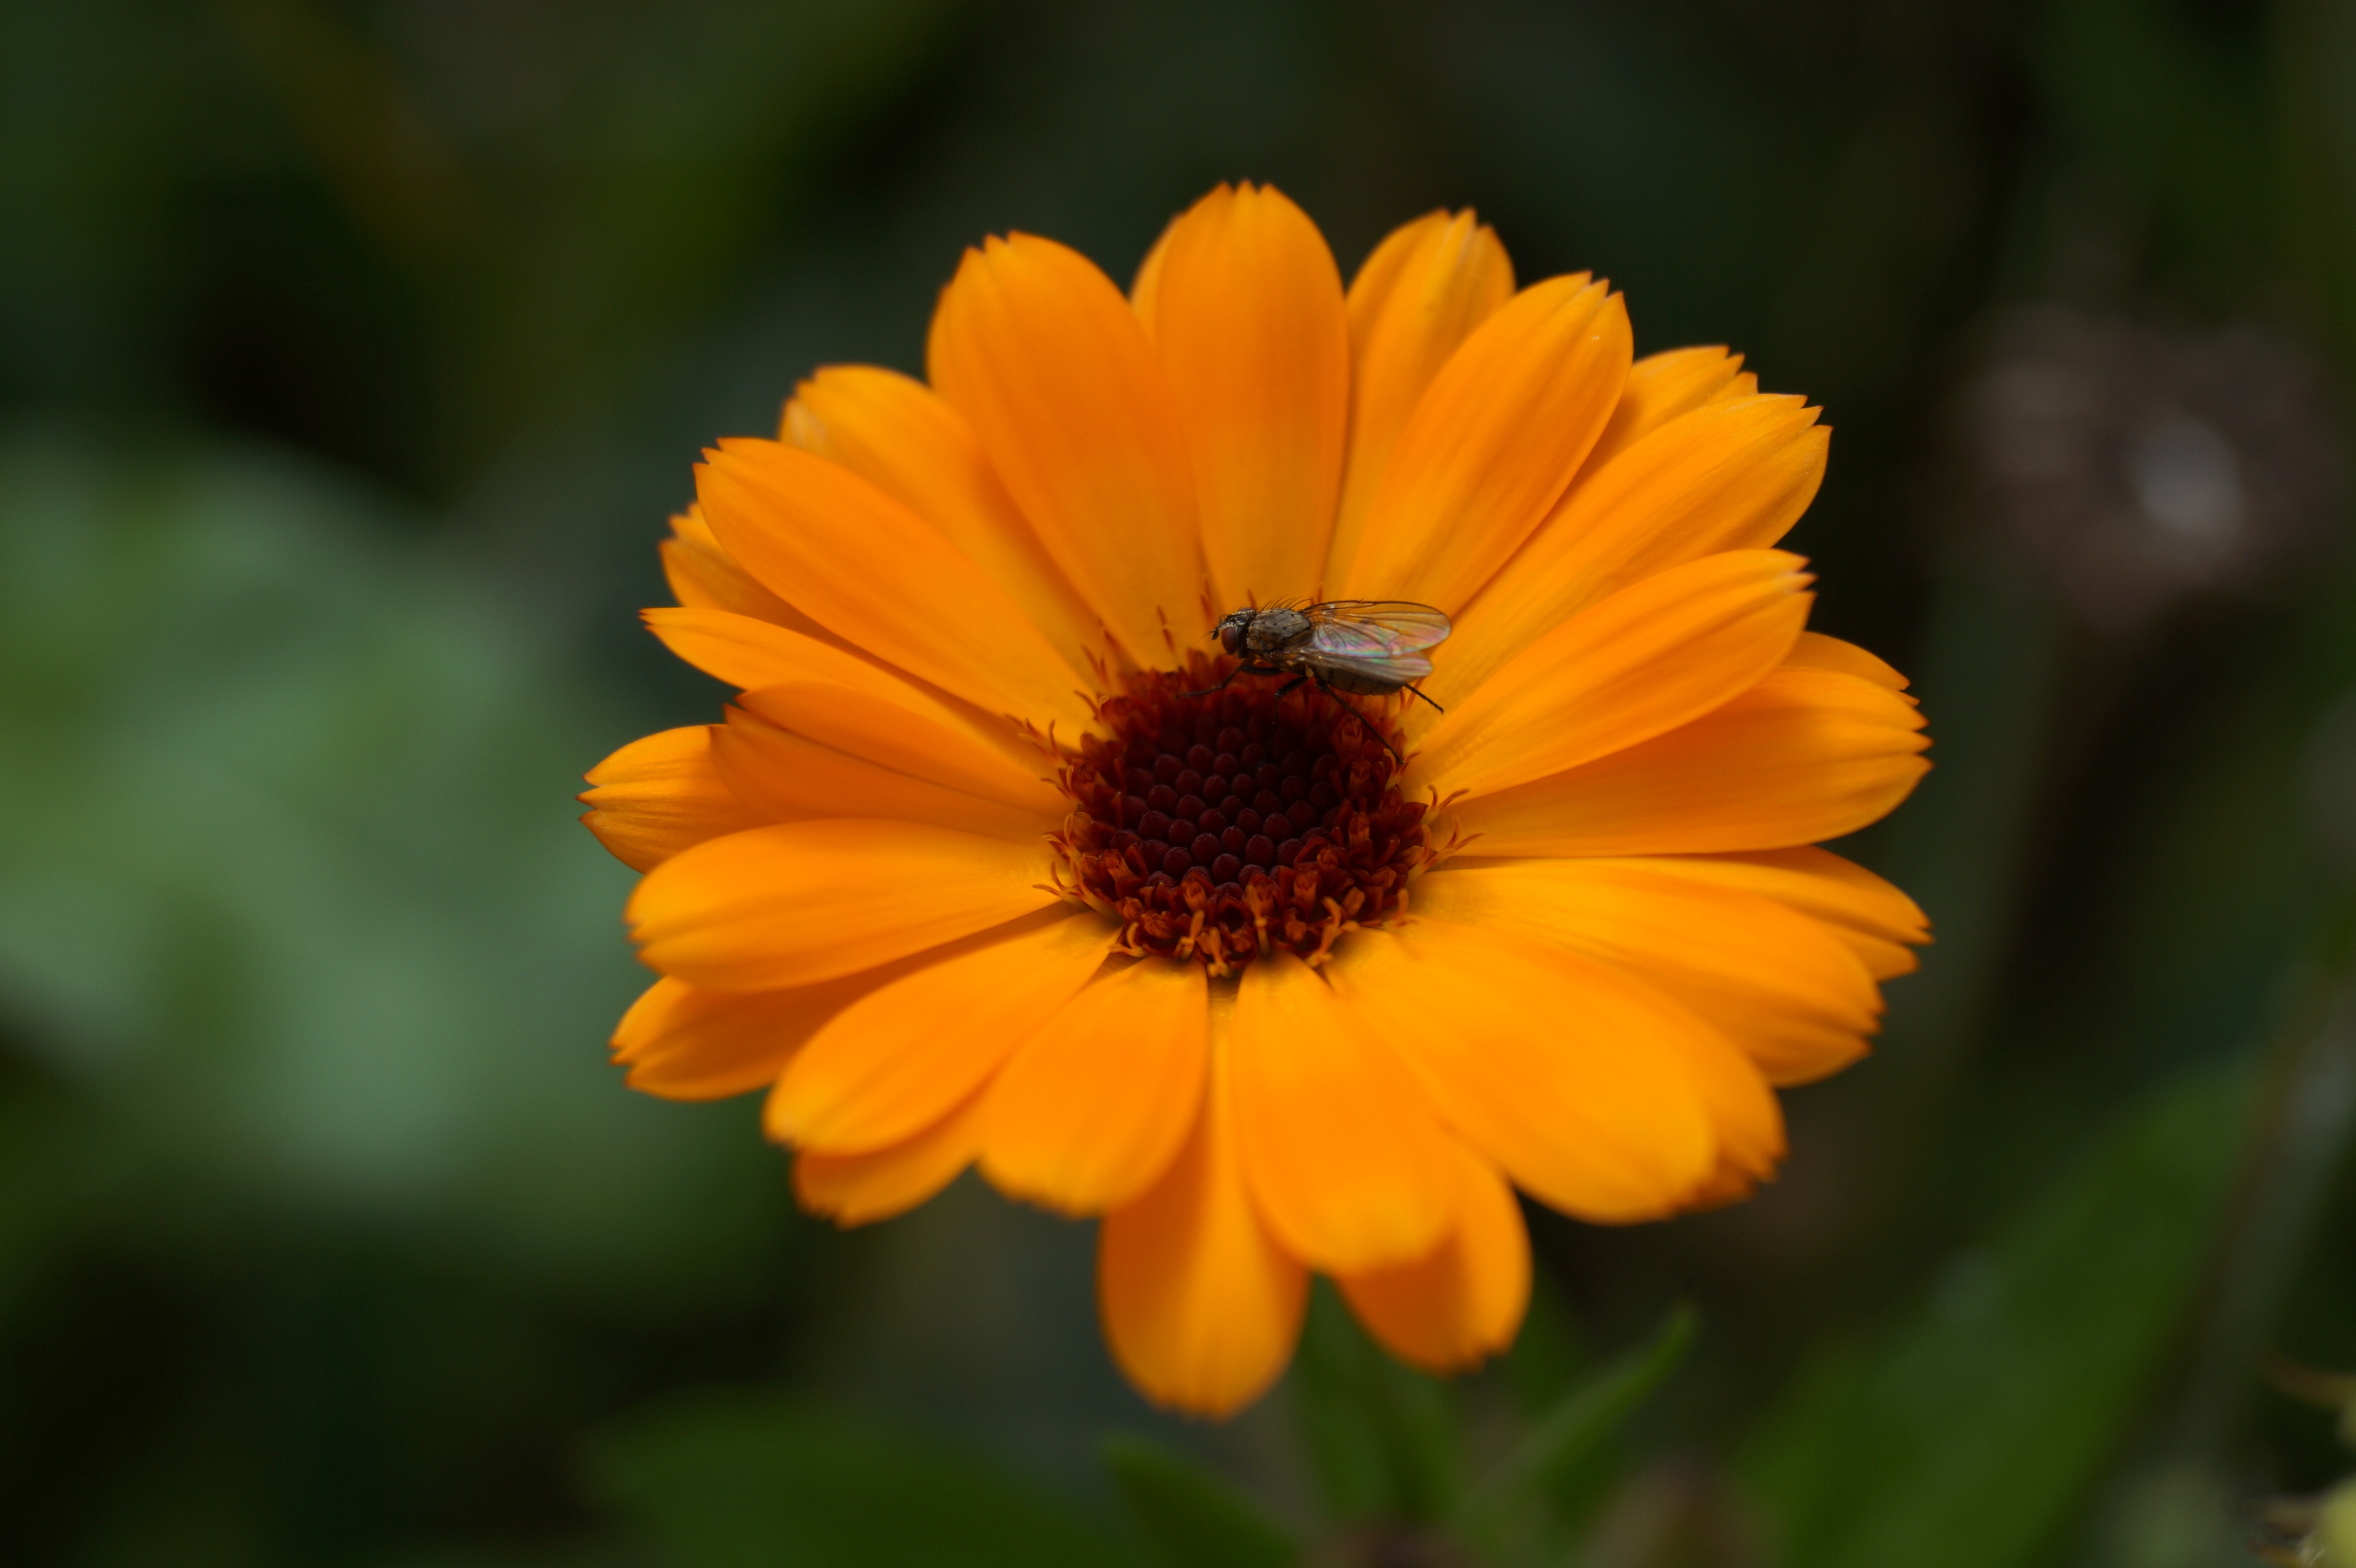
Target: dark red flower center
{"type": "Point", "coordinates": [1224, 827]}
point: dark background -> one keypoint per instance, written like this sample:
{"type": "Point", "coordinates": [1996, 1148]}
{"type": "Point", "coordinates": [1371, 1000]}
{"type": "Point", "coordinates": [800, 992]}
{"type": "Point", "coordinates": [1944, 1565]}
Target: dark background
{"type": "Point", "coordinates": [352, 357]}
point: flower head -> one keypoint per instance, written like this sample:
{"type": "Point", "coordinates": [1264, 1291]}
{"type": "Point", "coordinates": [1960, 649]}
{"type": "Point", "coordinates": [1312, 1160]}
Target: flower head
{"type": "Point", "coordinates": [979, 868]}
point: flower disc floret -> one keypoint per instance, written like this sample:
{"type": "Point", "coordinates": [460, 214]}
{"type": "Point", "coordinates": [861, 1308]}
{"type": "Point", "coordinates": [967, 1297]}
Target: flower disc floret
{"type": "Point", "coordinates": [1221, 826]}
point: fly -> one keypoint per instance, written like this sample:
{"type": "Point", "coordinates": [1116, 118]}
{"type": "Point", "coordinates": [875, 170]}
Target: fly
{"type": "Point", "coordinates": [1367, 647]}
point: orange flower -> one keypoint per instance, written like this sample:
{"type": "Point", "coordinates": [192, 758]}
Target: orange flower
{"type": "Point", "coordinates": [973, 873]}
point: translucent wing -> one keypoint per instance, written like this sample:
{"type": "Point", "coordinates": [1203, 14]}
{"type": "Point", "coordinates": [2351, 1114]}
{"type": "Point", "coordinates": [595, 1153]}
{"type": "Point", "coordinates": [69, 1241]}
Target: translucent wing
{"type": "Point", "coordinates": [1381, 639]}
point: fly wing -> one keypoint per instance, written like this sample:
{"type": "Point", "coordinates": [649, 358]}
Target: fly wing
{"type": "Point", "coordinates": [1382, 639]}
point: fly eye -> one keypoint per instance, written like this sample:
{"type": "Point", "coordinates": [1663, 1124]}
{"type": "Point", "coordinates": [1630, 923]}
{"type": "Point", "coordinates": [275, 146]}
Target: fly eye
{"type": "Point", "coordinates": [1231, 636]}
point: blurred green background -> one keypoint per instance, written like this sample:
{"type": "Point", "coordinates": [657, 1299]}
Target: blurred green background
{"type": "Point", "coordinates": [351, 356]}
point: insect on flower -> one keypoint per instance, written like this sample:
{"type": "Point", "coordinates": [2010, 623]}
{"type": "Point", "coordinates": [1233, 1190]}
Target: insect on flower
{"type": "Point", "coordinates": [1367, 647]}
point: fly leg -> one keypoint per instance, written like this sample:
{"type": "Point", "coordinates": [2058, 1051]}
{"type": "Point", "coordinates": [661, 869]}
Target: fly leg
{"type": "Point", "coordinates": [1418, 691]}
{"type": "Point", "coordinates": [1336, 698]}
{"type": "Point", "coordinates": [1239, 670]}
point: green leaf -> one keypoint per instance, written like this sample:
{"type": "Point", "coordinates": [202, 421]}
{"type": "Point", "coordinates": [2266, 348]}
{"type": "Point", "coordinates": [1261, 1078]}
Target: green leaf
{"type": "Point", "coordinates": [1382, 1435]}
{"type": "Point", "coordinates": [749, 1481]}
{"type": "Point", "coordinates": [1577, 1424]}
{"type": "Point", "coordinates": [1197, 1519]}
{"type": "Point", "coordinates": [1963, 1437]}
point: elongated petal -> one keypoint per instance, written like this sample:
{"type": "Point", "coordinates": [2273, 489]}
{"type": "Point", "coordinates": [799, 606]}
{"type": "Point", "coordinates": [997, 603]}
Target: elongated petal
{"type": "Point", "coordinates": [685, 1043]}
{"type": "Point", "coordinates": [1417, 298]}
{"type": "Point", "coordinates": [787, 778]}
{"type": "Point", "coordinates": [1729, 477]}
{"type": "Point", "coordinates": [1459, 1306]}
{"type": "Point", "coordinates": [1055, 373]}
{"type": "Point", "coordinates": [1201, 1305]}
{"type": "Point", "coordinates": [1795, 998]}
{"type": "Point", "coordinates": [1876, 922]}
{"type": "Point", "coordinates": [860, 1188]}
{"type": "Point", "coordinates": [1656, 655]}
{"type": "Point", "coordinates": [660, 796]}
{"type": "Point", "coordinates": [1091, 1112]}
{"type": "Point", "coordinates": [1819, 652]}
{"type": "Point", "coordinates": [804, 901]}
{"type": "Point", "coordinates": [1807, 754]}
{"type": "Point", "coordinates": [1745, 1119]}
{"type": "Point", "coordinates": [900, 435]}
{"type": "Point", "coordinates": [901, 1057]}
{"type": "Point", "coordinates": [1493, 443]}
{"type": "Point", "coordinates": [863, 565]}
{"type": "Point", "coordinates": [1569, 1075]}
{"type": "Point", "coordinates": [1344, 1157]}
{"type": "Point", "coordinates": [1248, 316]}
{"type": "Point", "coordinates": [928, 744]}
{"type": "Point", "coordinates": [701, 577]}
{"type": "Point", "coordinates": [1660, 387]}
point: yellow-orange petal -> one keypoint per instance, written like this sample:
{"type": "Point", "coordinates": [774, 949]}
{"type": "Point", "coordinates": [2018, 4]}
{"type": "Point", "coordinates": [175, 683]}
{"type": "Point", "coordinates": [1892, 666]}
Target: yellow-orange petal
{"type": "Point", "coordinates": [804, 901]}
{"type": "Point", "coordinates": [661, 794]}
{"type": "Point", "coordinates": [701, 577]}
{"type": "Point", "coordinates": [903, 437]}
{"type": "Point", "coordinates": [1489, 448]}
{"type": "Point", "coordinates": [1807, 754]}
{"type": "Point", "coordinates": [1660, 387]}
{"type": "Point", "coordinates": [1788, 992]}
{"type": "Point", "coordinates": [747, 651]}
{"type": "Point", "coordinates": [900, 1057]}
{"type": "Point", "coordinates": [686, 1043]}
{"type": "Point", "coordinates": [1090, 1111]}
{"type": "Point", "coordinates": [1463, 1303]}
{"type": "Point", "coordinates": [860, 1188]}
{"type": "Point", "coordinates": [924, 743]}
{"type": "Point", "coordinates": [1730, 476]}
{"type": "Point", "coordinates": [1746, 1120]}
{"type": "Point", "coordinates": [1877, 922]}
{"type": "Point", "coordinates": [789, 777]}
{"type": "Point", "coordinates": [1056, 375]}
{"type": "Point", "coordinates": [867, 568]}
{"type": "Point", "coordinates": [1417, 297]}
{"type": "Point", "coordinates": [1656, 655]}
{"type": "Point", "coordinates": [1248, 320]}
{"type": "Point", "coordinates": [1567, 1073]}
{"type": "Point", "coordinates": [1342, 1153]}
{"type": "Point", "coordinates": [1201, 1305]}
{"type": "Point", "coordinates": [1819, 652]}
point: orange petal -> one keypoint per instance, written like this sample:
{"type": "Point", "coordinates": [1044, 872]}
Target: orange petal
{"type": "Point", "coordinates": [1876, 921]}
{"type": "Point", "coordinates": [1201, 1305]}
{"type": "Point", "coordinates": [804, 901]}
{"type": "Point", "coordinates": [859, 1189]}
{"type": "Point", "coordinates": [789, 777]}
{"type": "Point", "coordinates": [660, 796]}
{"type": "Point", "coordinates": [1731, 477]}
{"type": "Point", "coordinates": [746, 650]}
{"type": "Point", "coordinates": [1493, 443]}
{"type": "Point", "coordinates": [922, 743]}
{"type": "Point", "coordinates": [1745, 1119]}
{"type": "Point", "coordinates": [899, 1058]}
{"type": "Point", "coordinates": [1656, 655]}
{"type": "Point", "coordinates": [1459, 1306]}
{"type": "Point", "coordinates": [701, 577]}
{"type": "Point", "coordinates": [1248, 316]}
{"type": "Point", "coordinates": [1093, 1108]}
{"type": "Point", "coordinates": [1571, 1076]}
{"type": "Point", "coordinates": [1780, 985]}
{"type": "Point", "coordinates": [1417, 297]}
{"type": "Point", "coordinates": [903, 437]}
{"type": "Point", "coordinates": [1819, 652]}
{"type": "Point", "coordinates": [1660, 386]}
{"type": "Point", "coordinates": [1055, 373]}
{"type": "Point", "coordinates": [1803, 755]}
{"type": "Point", "coordinates": [1342, 1155]}
{"type": "Point", "coordinates": [686, 1043]}
{"type": "Point", "coordinates": [864, 566]}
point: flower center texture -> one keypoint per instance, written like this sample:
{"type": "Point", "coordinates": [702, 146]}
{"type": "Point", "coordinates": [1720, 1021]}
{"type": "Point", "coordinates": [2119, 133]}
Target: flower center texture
{"type": "Point", "coordinates": [1223, 826]}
